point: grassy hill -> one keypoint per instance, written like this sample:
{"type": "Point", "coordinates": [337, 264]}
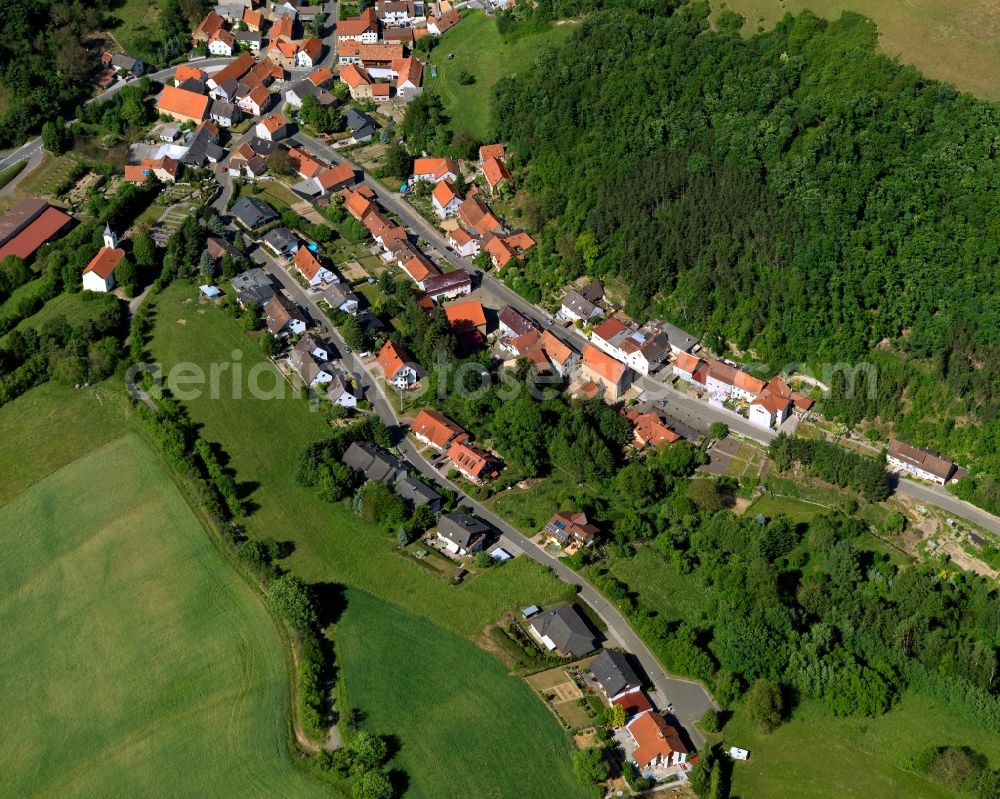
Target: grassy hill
{"type": "Point", "coordinates": [954, 42]}
{"type": "Point", "coordinates": [263, 439]}
{"type": "Point", "coordinates": [134, 656]}
{"type": "Point", "coordinates": [478, 50]}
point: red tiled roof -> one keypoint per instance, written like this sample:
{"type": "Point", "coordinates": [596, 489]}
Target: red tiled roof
{"type": "Point", "coordinates": [357, 205]}
{"type": "Point", "coordinates": [488, 151]}
{"type": "Point", "coordinates": [304, 164]}
{"type": "Point", "coordinates": [379, 53]}
{"type": "Point", "coordinates": [183, 103]}
{"type": "Point", "coordinates": [499, 251]}
{"type": "Point", "coordinates": [436, 428]}
{"type": "Point", "coordinates": [354, 76]}
{"type": "Point", "coordinates": [34, 235]}
{"type": "Point", "coordinates": [341, 173]}
{"type": "Point", "coordinates": [320, 77]}
{"type": "Point", "coordinates": [654, 738]}
{"type": "Point", "coordinates": [435, 167]}
{"type": "Point", "coordinates": [282, 27]}
{"type": "Point", "coordinates": [235, 69]}
{"type": "Point", "coordinates": [495, 171]}
{"type": "Point", "coordinates": [468, 459]}
{"type": "Point", "coordinates": [686, 363]}
{"type": "Point", "coordinates": [104, 263]}
{"type": "Point", "coordinates": [185, 71]}
{"type": "Point", "coordinates": [602, 364]}
{"type": "Point", "coordinates": [273, 122]}
{"type": "Point", "coordinates": [444, 193]}
{"type": "Point", "coordinates": [355, 26]}
{"type": "Point", "coordinates": [634, 702]}
{"type": "Point", "coordinates": [465, 314]}
{"type": "Point", "coordinates": [390, 360]}
{"type": "Point", "coordinates": [408, 70]}
{"type": "Point", "coordinates": [312, 47]}
{"type": "Point", "coordinates": [253, 18]}
{"type": "Point", "coordinates": [609, 328]}
{"type": "Point", "coordinates": [307, 263]}
{"type": "Point", "coordinates": [210, 24]}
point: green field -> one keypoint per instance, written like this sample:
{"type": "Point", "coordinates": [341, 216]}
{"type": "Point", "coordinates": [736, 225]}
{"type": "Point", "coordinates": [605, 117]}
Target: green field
{"type": "Point", "coordinates": [479, 51]}
{"type": "Point", "coordinates": [135, 661]}
{"type": "Point", "coordinates": [458, 715]}
{"type": "Point", "coordinates": [850, 758]}
{"type": "Point", "coordinates": [78, 308]}
{"type": "Point", "coordinates": [795, 509]}
{"type": "Point", "coordinates": [674, 596]}
{"type": "Point", "coordinates": [954, 42]}
{"type": "Point", "coordinates": [137, 17]}
{"type": "Point", "coordinates": [263, 439]}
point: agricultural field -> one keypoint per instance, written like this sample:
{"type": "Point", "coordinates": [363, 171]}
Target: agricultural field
{"type": "Point", "coordinates": [850, 758]}
{"type": "Point", "coordinates": [953, 42]}
{"type": "Point", "coordinates": [479, 51]}
{"type": "Point", "coordinates": [263, 439]}
{"type": "Point", "coordinates": [428, 686]}
{"type": "Point", "coordinates": [135, 657]}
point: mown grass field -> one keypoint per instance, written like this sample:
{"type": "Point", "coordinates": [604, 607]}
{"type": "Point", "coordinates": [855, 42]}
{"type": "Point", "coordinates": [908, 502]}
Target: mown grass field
{"type": "Point", "coordinates": [795, 509]}
{"type": "Point", "coordinates": [954, 42]}
{"type": "Point", "coordinates": [263, 439]}
{"type": "Point", "coordinates": [480, 51]}
{"type": "Point", "coordinates": [458, 737]}
{"type": "Point", "coordinates": [135, 661]}
{"type": "Point", "coordinates": [823, 757]}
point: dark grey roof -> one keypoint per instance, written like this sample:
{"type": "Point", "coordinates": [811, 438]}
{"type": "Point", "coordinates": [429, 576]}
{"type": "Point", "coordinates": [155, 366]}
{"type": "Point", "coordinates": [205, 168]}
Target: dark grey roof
{"type": "Point", "coordinates": [593, 291]}
{"type": "Point", "coordinates": [436, 284]}
{"type": "Point", "coordinates": [125, 62]}
{"type": "Point", "coordinates": [222, 110]}
{"type": "Point", "coordinates": [612, 670]}
{"type": "Point", "coordinates": [227, 87]}
{"type": "Point", "coordinates": [336, 388]}
{"type": "Point", "coordinates": [279, 238]}
{"type": "Point", "coordinates": [416, 493]}
{"type": "Point", "coordinates": [338, 294]}
{"type": "Point", "coordinates": [263, 146]}
{"type": "Point", "coordinates": [566, 629]}
{"type": "Point", "coordinates": [579, 304]}
{"type": "Point", "coordinates": [192, 85]}
{"type": "Point", "coordinates": [253, 212]}
{"type": "Point", "coordinates": [680, 339]}
{"type": "Point", "coordinates": [373, 462]}
{"type": "Point", "coordinates": [303, 88]}
{"type": "Point", "coordinates": [254, 285]}
{"type": "Point", "coordinates": [656, 348]}
{"type": "Point", "coordinates": [247, 36]}
{"type": "Point", "coordinates": [361, 125]}
{"type": "Point", "coordinates": [214, 153]}
{"type": "Point", "coordinates": [462, 529]}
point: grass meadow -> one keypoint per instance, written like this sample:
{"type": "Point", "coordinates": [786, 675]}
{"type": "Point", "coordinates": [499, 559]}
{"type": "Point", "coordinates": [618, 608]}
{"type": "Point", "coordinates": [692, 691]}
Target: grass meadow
{"type": "Point", "coordinates": [135, 661]}
{"type": "Point", "coordinates": [263, 439]}
{"type": "Point", "coordinates": [479, 50]}
{"type": "Point", "coordinates": [850, 758]}
{"type": "Point", "coordinates": [953, 42]}
{"type": "Point", "coordinates": [465, 727]}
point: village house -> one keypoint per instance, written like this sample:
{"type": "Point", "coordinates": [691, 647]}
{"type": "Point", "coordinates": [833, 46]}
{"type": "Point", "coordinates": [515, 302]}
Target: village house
{"type": "Point", "coordinates": [298, 91]}
{"type": "Point", "coordinates": [447, 286]}
{"type": "Point", "coordinates": [122, 63]}
{"type": "Point", "coordinates": [503, 249]}
{"type": "Point", "coordinates": [252, 287]}
{"type": "Point", "coordinates": [641, 350]}
{"type": "Point", "coordinates": [463, 243]}
{"type": "Point", "coordinates": [604, 370]}
{"type": "Point", "coordinates": [472, 463]}
{"type": "Point", "coordinates": [184, 106]}
{"type": "Point", "coordinates": [312, 271]}
{"type": "Point", "coordinates": [544, 350]}
{"type": "Point", "coordinates": [435, 170]}
{"type": "Point", "coordinates": [222, 43]}
{"type": "Point", "coordinates": [207, 28]}
{"type": "Point", "coordinates": [495, 173]}
{"type": "Point", "coordinates": [340, 393]}
{"type": "Point", "coordinates": [436, 430]}
{"type": "Point", "coordinates": [657, 744]}
{"type": "Point", "coordinates": [309, 359]}
{"type": "Point", "coordinates": [461, 534]}
{"type": "Point", "coordinates": [362, 126]}
{"type": "Point", "coordinates": [466, 316]}
{"type": "Point", "coordinates": [281, 242]}
{"type": "Point", "coordinates": [416, 494]}
{"type": "Point", "coordinates": [923, 463]}
{"type": "Point", "coordinates": [513, 323]}
{"type": "Point", "coordinates": [253, 213]}
{"type": "Point", "coordinates": [283, 28]}
{"type": "Point", "coordinates": [614, 674]}
{"type": "Point", "coordinates": [253, 18]}
{"type": "Point", "coordinates": [340, 298]}
{"type": "Point", "coordinates": [363, 28]}
{"type": "Point", "coordinates": [248, 40]}
{"type": "Point", "coordinates": [408, 77]}
{"type": "Point", "coordinates": [438, 26]}
{"type": "Point", "coordinates": [164, 169]}
{"type": "Point", "coordinates": [397, 367]}
{"type": "Point", "coordinates": [234, 70]}
{"type": "Point", "coordinates": [225, 113]}
{"type": "Point", "coordinates": [570, 530]}
{"type": "Point", "coordinates": [649, 429]}
{"type": "Point", "coordinates": [273, 127]}
{"type": "Point", "coordinates": [577, 308]}
{"type": "Point", "coordinates": [373, 463]}
{"type": "Point", "coordinates": [562, 630]}
{"type": "Point", "coordinates": [283, 316]}
{"type": "Point", "coordinates": [99, 274]}
{"type": "Point", "coordinates": [633, 702]}
{"type": "Point", "coordinates": [256, 101]}
{"type": "Point", "coordinates": [445, 199]}
{"type": "Point", "coordinates": [488, 151]}
{"type": "Point", "coordinates": [398, 12]}
{"type": "Point", "coordinates": [477, 218]}
{"type": "Point", "coordinates": [327, 180]}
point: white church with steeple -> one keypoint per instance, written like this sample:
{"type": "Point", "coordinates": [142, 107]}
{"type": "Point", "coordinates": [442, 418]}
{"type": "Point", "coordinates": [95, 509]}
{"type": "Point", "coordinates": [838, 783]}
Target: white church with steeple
{"type": "Point", "coordinates": [99, 274]}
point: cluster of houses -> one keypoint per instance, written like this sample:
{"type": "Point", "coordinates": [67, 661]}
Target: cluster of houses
{"type": "Point", "coordinates": [441, 433]}
{"type": "Point", "coordinates": [479, 228]}
{"type": "Point", "coordinates": [769, 402]}
{"type": "Point", "coordinates": [232, 27]}
{"type": "Point", "coordinates": [372, 50]}
{"type": "Point", "coordinates": [650, 742]}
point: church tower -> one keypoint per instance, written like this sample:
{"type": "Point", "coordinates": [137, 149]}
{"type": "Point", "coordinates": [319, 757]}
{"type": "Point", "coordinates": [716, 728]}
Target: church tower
{"type": "Point", "coordinates": [110, 239]}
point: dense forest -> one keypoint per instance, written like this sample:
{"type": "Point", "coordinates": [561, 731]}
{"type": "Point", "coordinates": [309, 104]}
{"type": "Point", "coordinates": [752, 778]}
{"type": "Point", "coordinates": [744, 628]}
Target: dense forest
{"type": "Point", "coordinates": [49, 50]}
{"type": "Point", "coordinates": [795, 194]}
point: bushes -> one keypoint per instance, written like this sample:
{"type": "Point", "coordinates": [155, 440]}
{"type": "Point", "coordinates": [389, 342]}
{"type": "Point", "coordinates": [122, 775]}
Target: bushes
{"type": "Point", "coordinates": [833, 464]}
